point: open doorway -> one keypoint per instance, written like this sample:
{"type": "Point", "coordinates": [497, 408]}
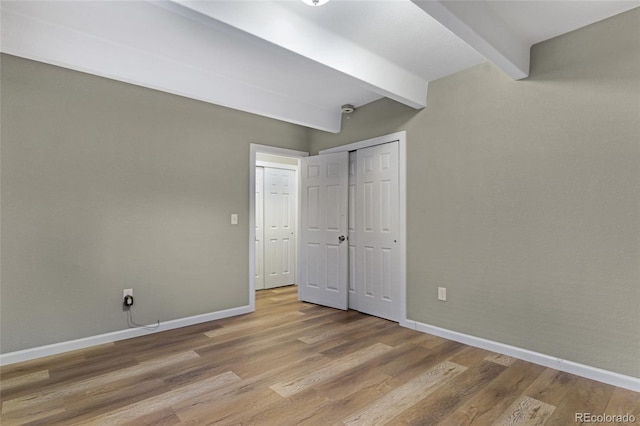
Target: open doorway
{"type": "Point", "coordinates": [276, 221]}
{"type": "Point", "coordinates": [275, 158]}
{"type": "Point", "coordinates": [399, 242]}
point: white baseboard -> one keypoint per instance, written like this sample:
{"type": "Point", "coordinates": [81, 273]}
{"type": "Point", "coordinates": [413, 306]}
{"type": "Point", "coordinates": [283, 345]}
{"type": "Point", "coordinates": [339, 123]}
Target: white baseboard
{"type": "Point", "coordinates": [72, 345]}
{"type": "Point", "coordinates": [594, 373]}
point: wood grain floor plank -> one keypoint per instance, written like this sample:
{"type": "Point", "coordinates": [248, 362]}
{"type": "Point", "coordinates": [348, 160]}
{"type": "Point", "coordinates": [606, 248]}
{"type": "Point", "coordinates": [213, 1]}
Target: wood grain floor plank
{"type": "Point", "coordinates": [250, 394]}
{"type": "Point", "coordinates": [169, 348]}
{"type": "Point", "coordinates": [526, 411]}
{"type": "Point", "coordinates": [28, 379]}
{"type": "Point", "coordinates": [372, 384]}
{"type": "Point", "coordinates": [360, 339]}
{"type": "Point", "coordinates": [33, 413]}
{"type": "Point", "coordinates": [624, 402]}
{"type": "Point", "coordinates": [286, 411]}
{"type": "Point", "coordinates": [470, 356]}
{"type": "Point", "coordinates": [500, 359]}
{"type": "Point", "coordinates": [489, 403]}
{"type": "Point", "coordinates": [551, 386]}
{"type": "Point", "coordinates": [160, 344]}
{"type": "Point", "coordinates": [91, 368]}
{"type": "Point", "coordinates": [323, 334]}
{"type": "Point", "coordinates": [42, 364]}
{"type": "Point", "coordinates": [444, 400]}
{"type": "Point", "coordinates": [225, 405]}
{"type": "Point", "coordinates": [164, 417]}
{"type": "Point", "coordinates": [248, 339]}
{"type": "Point", "coordinates": [337, 366]}
{"type": "Point", "coordinates": [400, 399]}
{"type": "Point", "coordinates": [421, 360]}
{"type": "Point", "coordinates": [587, 396]}
{"type": "Point", "coordinates": [255, 324]}
{"type": "Point", "coordinates": [350, 398]}
{"type": "Point", "coordinates": [109, 398]}
{"type": "Point", "coordinates": [60, 392]}
{"type": "Point", "coordinates": [146, 407]}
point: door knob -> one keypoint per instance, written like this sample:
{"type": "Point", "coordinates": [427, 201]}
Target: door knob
{"type": "Point", "coordinates": [341, 238]}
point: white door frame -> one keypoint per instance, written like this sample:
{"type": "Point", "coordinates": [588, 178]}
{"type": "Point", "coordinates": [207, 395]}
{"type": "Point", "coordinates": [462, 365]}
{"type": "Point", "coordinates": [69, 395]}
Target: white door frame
{"type": "Point", "coordinates": [253, 150]}
{"type": "Point", "coordinates": [401, 138]}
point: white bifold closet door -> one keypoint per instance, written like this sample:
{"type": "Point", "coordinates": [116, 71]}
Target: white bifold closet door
{"type": "Point", "coordinates": [280, 206]}
{"type": "Point", "coordinates": [374, 257]}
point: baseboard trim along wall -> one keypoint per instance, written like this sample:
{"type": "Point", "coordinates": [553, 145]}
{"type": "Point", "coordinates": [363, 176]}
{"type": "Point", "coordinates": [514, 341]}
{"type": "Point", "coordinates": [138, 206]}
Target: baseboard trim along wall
{"type": "Point", "coordinates": [72, 345]}
{"type": "Point", "coordinates": [594, 373]}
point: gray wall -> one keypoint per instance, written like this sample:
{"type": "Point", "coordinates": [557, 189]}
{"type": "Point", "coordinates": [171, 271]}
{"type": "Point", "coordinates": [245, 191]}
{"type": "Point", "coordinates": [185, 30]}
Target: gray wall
{"type": "Point", "coordinates": [107, 186]}
{"type": "Point", "coordinates": [524, 198]}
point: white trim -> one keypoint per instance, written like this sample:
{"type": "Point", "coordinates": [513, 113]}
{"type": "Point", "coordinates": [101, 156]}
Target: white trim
{"type": "Point", "coordinates": [401, 138]}
{"type": "Point", "coordinates": [253, 150]}
{"type": "Point", "coordinates": [477, 24]}
{"type": "Point", "coordinates": [86, 342]}
{"type": "Point", "coordinates": [271, 165]}
{"type": "Point", "coordinates": [594, 373]}
{"type": "Point", "coordinates": [398, 136]}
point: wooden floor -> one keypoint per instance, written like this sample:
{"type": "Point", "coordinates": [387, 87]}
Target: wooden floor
{"type": "Point", "coordinates": [292, 363]}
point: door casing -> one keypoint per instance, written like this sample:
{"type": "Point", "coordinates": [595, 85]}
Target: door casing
{"type": "Point", "coordinates": [401, 138]}
{"type": "Point", "coordinates": [253, 150]}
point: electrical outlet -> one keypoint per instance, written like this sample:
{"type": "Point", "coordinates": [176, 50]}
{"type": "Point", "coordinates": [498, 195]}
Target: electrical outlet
{"type": "Point", "coordinates": [442, 294]}
{"type": "Point", "coordinates": [127, 292]}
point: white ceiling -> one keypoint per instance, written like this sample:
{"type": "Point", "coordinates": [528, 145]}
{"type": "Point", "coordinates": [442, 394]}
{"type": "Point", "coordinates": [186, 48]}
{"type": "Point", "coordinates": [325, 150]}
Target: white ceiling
{"type": "Point", "coordinates": [287, 60]}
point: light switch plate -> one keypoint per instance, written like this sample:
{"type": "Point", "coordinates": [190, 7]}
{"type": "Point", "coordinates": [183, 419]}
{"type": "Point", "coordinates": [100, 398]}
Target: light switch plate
{"type": "Point", "coordinates": [442, 294]}
{"type": "Point", "coordinates": [234, 218]}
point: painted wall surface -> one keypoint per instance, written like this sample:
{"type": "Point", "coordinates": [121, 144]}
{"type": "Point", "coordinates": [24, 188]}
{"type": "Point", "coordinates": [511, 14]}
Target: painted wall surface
{"type": "Point", "coordinates": [524, 198]}
{"type": "Point", "coordinates": [107, 186]}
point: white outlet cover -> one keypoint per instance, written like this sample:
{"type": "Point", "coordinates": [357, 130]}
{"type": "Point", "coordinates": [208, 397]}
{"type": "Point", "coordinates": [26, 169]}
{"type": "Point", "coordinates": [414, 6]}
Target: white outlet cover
{"type": "Point", "coordinates": [127, 292]}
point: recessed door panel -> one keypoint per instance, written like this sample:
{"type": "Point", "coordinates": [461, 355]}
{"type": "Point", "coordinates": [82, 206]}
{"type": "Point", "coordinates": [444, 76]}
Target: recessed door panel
{"type": "Point", "coordinates": [386, 209]}
{"type": "Point", "coordinates": [312, 265]}
{"type": "Point", "coordinates": [271, 258]}
{"type": "Point", "coordinates": [369, 271]}
{"type": "Point", "coordinates": [334, 267]}
{"type": "Point", "coordinates": [352, 268]}
{"type": "Point", "coordinates": [385, 276]}
{"type": "Point", "coordinates": [287, 209]}
{"type": "Point", "coordinates": [286, 256]}
{"type": "Point", "coordinates": [334, 192]}
{"type": "Point", "coordinates": [367, 206]}
{"type": "Point", "coordinates": [312, 211]}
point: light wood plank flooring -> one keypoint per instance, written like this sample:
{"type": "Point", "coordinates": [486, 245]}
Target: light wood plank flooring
{"type": "Point", "coordinates": [293, 363]}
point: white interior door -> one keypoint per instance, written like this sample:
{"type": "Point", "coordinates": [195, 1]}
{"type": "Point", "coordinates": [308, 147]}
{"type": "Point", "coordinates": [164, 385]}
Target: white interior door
{"type": "Point", "coordinates": [323, 230]}
{"type": "Point", "coordinates": [259, 247]}
{"type": "Point", "coordinates": [280, 199]}
{"type": "Point", "coordinates": [374, 232]}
